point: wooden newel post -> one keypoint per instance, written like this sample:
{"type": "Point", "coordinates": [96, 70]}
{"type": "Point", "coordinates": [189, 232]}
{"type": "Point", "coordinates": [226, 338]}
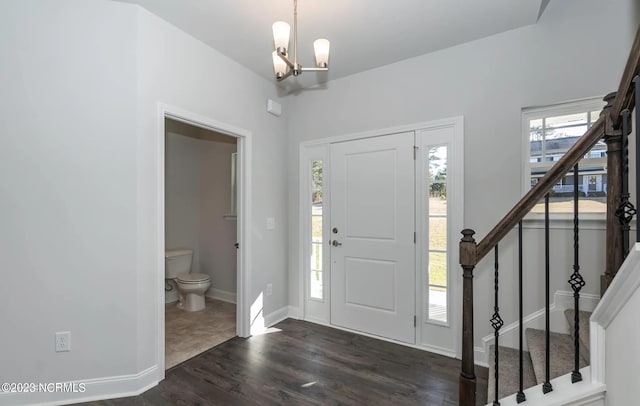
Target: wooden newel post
{"type": "Point", "coordinates": [468, 260]}
{"type": "Point", "coordinates": [614, 243]}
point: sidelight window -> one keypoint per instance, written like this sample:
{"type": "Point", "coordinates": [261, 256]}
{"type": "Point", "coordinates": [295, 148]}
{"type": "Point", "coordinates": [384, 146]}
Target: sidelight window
{"type": "Point", "coordinates": [437, 218]}
{"type": "Point", "coordinates": [317, 268]}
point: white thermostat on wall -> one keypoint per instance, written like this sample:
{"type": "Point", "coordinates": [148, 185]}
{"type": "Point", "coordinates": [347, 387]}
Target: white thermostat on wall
{"type": "Point", "coordinates": [274, 107]}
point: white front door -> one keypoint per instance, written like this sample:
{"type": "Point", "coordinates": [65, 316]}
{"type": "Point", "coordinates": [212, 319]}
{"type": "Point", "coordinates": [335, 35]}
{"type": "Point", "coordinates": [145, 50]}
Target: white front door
{"type": "Point", "coordinates": [372, 236]}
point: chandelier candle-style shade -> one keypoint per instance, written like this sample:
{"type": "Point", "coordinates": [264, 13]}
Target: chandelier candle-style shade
{"type": "Point", "coordinates": [279, 66]}
{"type": "Point", "coordinates": [321, 49]}
{"type": "Point", "coordinates": [282, 65]}
{"type": "Point", "coordinates": [281, 35]}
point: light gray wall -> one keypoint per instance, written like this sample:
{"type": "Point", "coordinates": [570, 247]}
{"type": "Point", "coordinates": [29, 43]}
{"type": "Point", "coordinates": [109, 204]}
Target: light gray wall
{"type": "Point", "coordinates": [217, 234]}
{"type": "Point", "coordinates": [578, 49]}
{"type": "Point", "coordinates": [68, 164]}
{"type": "Point", "coordinates": [82, 81]}
{"type": "Point", "coordinates": [197, 196]}
{"type": "Point", "coordinates": [182, 195]}
{"type": "Point", "coordinates": [175, 69]}
{"type": "Point", "coordinates": [78, 186]}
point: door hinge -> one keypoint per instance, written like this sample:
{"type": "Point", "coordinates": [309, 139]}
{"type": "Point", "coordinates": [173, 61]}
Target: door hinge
{"type": "Point", "coordinates": [415, 322]}
{"type": "Point", "coordinates": [414, 237]}
{"type": "Point", "coordinates": [415, 152]}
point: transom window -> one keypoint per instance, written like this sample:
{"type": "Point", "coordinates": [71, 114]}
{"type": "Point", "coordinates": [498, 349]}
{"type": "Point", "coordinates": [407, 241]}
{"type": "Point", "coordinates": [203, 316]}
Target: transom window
{"type": "Point", "coordinates": [549, 133]}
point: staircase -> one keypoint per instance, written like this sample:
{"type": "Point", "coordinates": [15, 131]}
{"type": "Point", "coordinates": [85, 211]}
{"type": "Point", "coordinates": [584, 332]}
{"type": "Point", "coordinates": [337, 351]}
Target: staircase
{"type": "Point", "coordinates": [561, 353]}
{"type": "Point", "coordinates": [557, 363]}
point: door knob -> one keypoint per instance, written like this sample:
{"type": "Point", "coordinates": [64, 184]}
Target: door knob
{"type": "Point", "coordinates": [336, 243]}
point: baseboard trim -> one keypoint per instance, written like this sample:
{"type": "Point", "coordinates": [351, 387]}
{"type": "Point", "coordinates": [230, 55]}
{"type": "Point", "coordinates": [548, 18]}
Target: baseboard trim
{"type": "Point", "coordinates": [295, 312]}
{"type": "Point", "coordinates": [480, 357]}
{"type": "Point", "coordinates": [276, 316]}
{"type": "Point", "coordinates": [437, 350]}
{"type": "Point", "coordinates": [223, 295]}
{"type": "Point", "coordinates": [588, 302]}
{"type": "Point", "coordinates": [95, 389]}
{"type": "Point", "coordinates": [316, 320]}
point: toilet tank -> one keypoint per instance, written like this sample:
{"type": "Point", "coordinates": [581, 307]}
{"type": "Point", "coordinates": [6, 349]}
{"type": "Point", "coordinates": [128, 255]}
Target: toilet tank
{"type": "Point", "coordinates": [177, 262]}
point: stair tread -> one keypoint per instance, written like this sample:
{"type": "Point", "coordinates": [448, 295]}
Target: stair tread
{"type": "Point", "coordinates": [509, 380]}
{"type": "Point", "coordinates": [584, 331]}
{"type": "Point", "coordinates": [561, 354]}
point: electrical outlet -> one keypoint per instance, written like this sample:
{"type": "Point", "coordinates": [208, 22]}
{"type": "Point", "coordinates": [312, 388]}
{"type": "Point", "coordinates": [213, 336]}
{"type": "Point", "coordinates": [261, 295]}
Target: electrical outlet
{"type": "Point", "coordinates": [269, 289]}
{"type": "Point", "coordinates": [271, 223]}
{"type": "Point", "coordinates": [63, 341]}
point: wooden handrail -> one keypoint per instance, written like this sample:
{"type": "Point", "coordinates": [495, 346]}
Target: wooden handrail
{"type": "Point", "coordinates": [560, 169]}
{"type": "Point", "coordinates": [471, 253]}
{"type": "Point", "coordinates": [625, 96]}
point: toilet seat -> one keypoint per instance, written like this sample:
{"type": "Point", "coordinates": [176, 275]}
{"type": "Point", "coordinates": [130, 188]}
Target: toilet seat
{"type": "Point", "coordinates": [193, 278]}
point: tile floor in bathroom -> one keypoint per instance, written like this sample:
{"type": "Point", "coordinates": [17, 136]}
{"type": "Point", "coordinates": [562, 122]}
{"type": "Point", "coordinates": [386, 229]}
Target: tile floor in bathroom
{"type": "Point", "coordinates": [187, 334]}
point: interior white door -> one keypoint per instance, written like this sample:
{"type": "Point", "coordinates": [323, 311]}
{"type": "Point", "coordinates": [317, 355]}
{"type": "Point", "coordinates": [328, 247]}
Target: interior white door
{"type": "Point", "coordinates": [372, 236]}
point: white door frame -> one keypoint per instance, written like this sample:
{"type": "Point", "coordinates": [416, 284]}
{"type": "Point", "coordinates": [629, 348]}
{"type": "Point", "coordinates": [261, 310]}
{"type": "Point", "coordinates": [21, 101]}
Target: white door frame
{"type": "Point", "coordinates": [243, 212]}
{"type": "Point", "coordinates": [436, 336]}
{"type": "Point", "coordinates": [457, 212]}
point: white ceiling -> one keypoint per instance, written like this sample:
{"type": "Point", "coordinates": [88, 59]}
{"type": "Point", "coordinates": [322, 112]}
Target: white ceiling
{"type": "Point", "coordinates": [364, 34]}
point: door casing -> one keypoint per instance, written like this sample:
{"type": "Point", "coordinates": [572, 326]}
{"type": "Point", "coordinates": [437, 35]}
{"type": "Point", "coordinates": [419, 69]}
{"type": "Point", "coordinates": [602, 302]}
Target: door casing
{"type": "Point", "coordinates": [319, 149]}
{"type": "Point", "coordinates": [243, 217]}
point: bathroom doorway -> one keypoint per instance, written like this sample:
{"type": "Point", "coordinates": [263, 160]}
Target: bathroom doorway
{"type": "Point", "coordinates": [204, 189]}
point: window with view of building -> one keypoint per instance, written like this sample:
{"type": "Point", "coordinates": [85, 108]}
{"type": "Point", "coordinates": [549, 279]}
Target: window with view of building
{"type": "Point", "coordinates": [549, 133]}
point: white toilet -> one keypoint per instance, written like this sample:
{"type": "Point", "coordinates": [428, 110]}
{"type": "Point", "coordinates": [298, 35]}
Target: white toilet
{"type": "Point", "coordinates": [191, 286]}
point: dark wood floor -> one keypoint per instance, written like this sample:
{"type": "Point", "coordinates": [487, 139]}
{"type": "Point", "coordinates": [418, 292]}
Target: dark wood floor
{"type": "Point", "coordinates": [308, 364]}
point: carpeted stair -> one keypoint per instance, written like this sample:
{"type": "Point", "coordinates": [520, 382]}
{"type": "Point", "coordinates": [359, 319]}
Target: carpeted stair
{"type": "Point", "coordinates": [561, 354]}
{"type": "Point", "coordinates": [584, 331]}
{"type": "Point", "coordinates": [509, 364]}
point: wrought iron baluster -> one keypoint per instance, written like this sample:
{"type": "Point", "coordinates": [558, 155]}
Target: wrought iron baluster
{"type": "Point", "coordinates": [496, 323]}
{"type": "Point", "coordinates": [576, 281]}
{"type": "Point", "coordinates": [520, 396]}
{"type": "Point", "coordinates": [636, 81]}
{"type": "Point", "coordinates": [546, 386]}
{"type": "Point", "coordinates": [626, 210]}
